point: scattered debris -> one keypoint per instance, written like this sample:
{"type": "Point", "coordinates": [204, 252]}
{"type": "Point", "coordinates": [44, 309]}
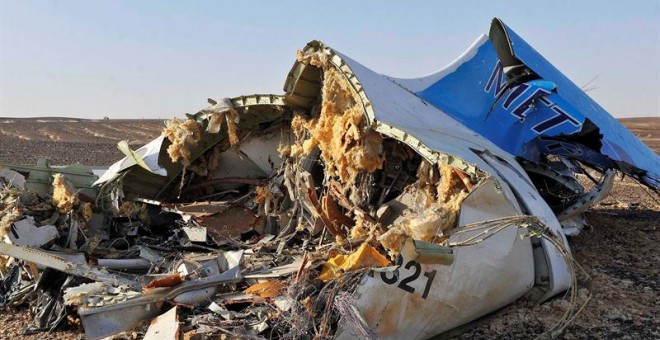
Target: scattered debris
{"type": "Point", "coordinates": [348, 207]}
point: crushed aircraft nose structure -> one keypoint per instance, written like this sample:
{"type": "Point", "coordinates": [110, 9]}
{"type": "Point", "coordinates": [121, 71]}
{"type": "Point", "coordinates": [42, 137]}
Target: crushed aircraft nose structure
{"type": "Point", "coordinates": [354, 205]}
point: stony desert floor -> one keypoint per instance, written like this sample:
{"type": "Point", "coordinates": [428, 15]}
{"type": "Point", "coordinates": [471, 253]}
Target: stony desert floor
{"type": "Point", "coordinates": [65, 140]}
{"type": "Point", "coordinates": [619, 288]}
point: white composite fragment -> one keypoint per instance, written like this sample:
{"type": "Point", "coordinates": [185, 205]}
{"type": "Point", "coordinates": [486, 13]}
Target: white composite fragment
{"type": "Point", "coordinates": [148, 154]}
{"type": "Point", "coordinates": [78, 295]}
{"type": "Point", "coordinates": [25, 233]}
{"type": "Point", "coordinates": [164, 327]}
{"type": "Point", "coordinates": [195, 234]}
{"type": "Point", "coordinates": [225, 313]}
{"type": "Point", "coordinates": [284, 303]}
{"type": "Point", "coordinates": [216, 113]}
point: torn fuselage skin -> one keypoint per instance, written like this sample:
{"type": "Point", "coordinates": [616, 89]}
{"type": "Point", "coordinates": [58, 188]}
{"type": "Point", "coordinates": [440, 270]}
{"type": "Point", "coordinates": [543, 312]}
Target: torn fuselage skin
{"type": "Point", "coordinates": [412, 283]}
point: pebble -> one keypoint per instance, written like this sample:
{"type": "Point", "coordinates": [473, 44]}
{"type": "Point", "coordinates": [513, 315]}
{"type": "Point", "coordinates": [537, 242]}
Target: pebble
{"type": "Point", "coordinates": [561, 304]}
{"type": "Point", "coordinates": [583, 294]}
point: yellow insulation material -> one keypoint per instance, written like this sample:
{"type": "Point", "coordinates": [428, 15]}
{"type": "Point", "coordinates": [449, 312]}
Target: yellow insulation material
{"type": "Point", "coordinates": [439, 215]}
{"type": "Point", "coordinates": [366, 256]}
{"type": "Point", "coordinates": [9, 216]}
{"type": "Point", "coordinates": [215, 123]}
{"type": "Point", "coordinates": [10, 213]}
{"type": "Point", "coordinates": [232, 130]}
{"type": "Point", "coordinates": [319, 60]}
{"type": "Point", "coordinates": [450, 185]}
{"type": "Point", "coordinates": [64, 197]}
{"type": "Point", "coordinates": [298, 127]}
{"type": "Point", "coordinates": [339, 132]}
{"type": "Point", "coordinates": [266, 289]}
{"type": "Point", "coordinates": [3, 264]}
{"type": "Point", "coordinates": [184, 134]}
{"type": "Point", "coordinates": [360, 230]}
{"type": "Point", "coordinates": [86, 209]}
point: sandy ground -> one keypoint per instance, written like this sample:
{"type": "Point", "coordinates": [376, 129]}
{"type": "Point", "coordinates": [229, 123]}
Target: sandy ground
{"type": "Point", "coordinates": [620, 255]}
{"type": "Point", "coordinates": [65, 141]}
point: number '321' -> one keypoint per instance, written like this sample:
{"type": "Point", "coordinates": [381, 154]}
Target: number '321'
{"type": "Point", "coordinates": [391, 278]}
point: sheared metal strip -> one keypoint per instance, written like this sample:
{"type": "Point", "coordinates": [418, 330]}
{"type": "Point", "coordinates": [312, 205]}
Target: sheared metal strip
{"type": "Point", "coordinates": [45, 259]}
{"type": "Point", "coordinates": [592, 197]}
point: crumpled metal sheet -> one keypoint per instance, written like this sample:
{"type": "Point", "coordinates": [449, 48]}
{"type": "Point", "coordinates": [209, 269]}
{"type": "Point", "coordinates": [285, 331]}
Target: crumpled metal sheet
{"type": "Point", "coordinates": [49, 308]}
{"type": "Point", "coordinates": [11, 282]}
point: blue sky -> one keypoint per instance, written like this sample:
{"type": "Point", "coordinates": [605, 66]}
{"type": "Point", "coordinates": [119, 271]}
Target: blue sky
{"type": "Point", "coordinates": [159, 59]}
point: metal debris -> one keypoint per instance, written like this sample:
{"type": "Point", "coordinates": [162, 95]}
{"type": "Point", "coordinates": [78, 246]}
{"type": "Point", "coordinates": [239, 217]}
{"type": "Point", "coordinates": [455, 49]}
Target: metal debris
{"type": "Point", "coordinates": [354, 205]}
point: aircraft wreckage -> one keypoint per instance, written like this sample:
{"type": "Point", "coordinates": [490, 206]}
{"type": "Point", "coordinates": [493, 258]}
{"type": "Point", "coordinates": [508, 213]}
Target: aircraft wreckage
{"type": "Point", "coordinates": [353, 205]}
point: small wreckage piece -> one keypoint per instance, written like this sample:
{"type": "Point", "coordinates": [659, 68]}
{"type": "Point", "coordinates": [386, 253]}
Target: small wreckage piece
{"type": "Point", "coordinates": [354, 205]}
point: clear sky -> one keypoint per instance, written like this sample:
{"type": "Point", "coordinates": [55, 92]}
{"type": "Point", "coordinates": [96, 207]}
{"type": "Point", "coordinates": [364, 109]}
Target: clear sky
{"type": "Point", "coordinates": [159, 59]}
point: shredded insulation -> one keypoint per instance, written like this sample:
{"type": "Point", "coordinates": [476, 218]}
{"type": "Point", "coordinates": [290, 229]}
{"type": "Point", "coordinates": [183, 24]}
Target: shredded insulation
{"type": "Point", "coordinates": [362, 229]}
{"type": "Point", "coordinates": [86, 210]}
{"type": "Point", "coordinates": [129, 209]}
{"type": "Point", "coordinates": [318, 59]}
{"type": "Point", "coordinates": [364, 257]}
{"type": "Point", "coordinates": [10, 213]}
{"type": "Point", "coordinates": [441, 203]}
{"type": "Point", "coordinates": [184, 135]}
{"type": "Point", "coordinates": [232, 130]}
{"type": "Point", "coordinates": [347, 148]}
{"type": "Point", "coordinates": [64, 196]}
{"type": "Point", "coordinates": [215, 123]}
{"type": "Point", "coordinates": [451, 185]}
{"type": "Point", "coordinates": [9, 216]}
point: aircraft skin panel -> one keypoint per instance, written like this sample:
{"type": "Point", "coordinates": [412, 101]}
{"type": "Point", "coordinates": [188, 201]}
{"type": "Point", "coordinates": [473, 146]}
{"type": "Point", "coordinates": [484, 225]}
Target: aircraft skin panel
{"type": "Point", "coordinates": [474, 91]}
{"type": "Point", "coordinates": [626, 146]}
